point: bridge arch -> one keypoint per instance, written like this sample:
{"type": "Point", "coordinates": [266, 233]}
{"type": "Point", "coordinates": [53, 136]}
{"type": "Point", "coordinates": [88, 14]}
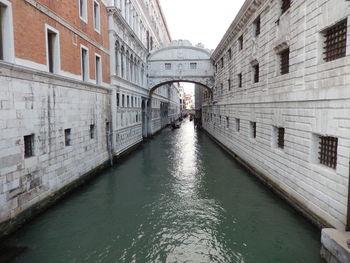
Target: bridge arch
{"type": "Point", "coordinates": [180, 61]}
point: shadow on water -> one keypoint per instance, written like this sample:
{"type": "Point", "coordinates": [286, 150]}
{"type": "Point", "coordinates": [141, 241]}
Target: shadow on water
{"type": "Point", "coordinates": [179, 198]}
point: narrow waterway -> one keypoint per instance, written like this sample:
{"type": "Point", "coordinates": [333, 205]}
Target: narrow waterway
{"type": "Point", "coordinates": [179, 198]}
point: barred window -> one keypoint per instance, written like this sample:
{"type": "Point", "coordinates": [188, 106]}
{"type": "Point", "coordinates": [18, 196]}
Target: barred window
{"type": "Point", "coordinates": [240, 80]}
{"type": "Point", "coordinates": [328, 148]}
{"type": "Point", "coordinates": [167, 66]}
{"type": "Point", "coordinates": [28, 146]}
{"type": "Point", "coordinates": [240, 42]}
{"type": "Point", "coordinates": [256, 73]}
{"type": "Point", "coordinates": [257, 24]}
{"type": "Point", "coordinates": [335, 41]}
{"type": "Point", "coordinates": [280, 138]}
{"type": "Point", "coordinates": [285, 5]}
{"type": "Point", "coordinates": [67, 137]}
{"type": "Point", "coordinates": [193, 65]}
{"type": "Point", "coordinates": [284, 61]}
{"type": "Point", "coordinates": [253, 129]}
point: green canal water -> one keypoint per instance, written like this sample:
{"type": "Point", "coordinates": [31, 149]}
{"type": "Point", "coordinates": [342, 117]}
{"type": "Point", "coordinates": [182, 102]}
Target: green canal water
{"type": "Point", "coordinates": [179, 198]}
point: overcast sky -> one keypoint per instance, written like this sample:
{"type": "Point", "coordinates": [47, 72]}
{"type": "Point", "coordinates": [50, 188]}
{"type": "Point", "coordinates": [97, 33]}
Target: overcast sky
{"type": "Point", "coordinates": [200, 21]}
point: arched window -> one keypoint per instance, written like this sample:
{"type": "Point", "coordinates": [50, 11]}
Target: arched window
{"type": "Point", "coordinates": [117, 59]}
{"type": "Point", "coordinates": [131, 67]}
{"type": "Point", "coordinates": [127, 66]}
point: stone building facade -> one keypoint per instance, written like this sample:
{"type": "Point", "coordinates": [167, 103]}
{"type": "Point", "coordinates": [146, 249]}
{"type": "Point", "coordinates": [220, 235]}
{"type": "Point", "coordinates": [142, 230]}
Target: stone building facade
{"type": "Point", "coordinates": [73, 93]}
{"type": "Point", "coordinates": [281, 100]}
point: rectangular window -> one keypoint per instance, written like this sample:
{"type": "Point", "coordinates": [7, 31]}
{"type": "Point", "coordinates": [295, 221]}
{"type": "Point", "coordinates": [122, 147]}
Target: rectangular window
{"type": "Point", "coordinates": [229, 84]}
{"type": "Point", "coordinates": [98, 72]}
{"type": "Point", "coordinates": [280, 137]}
{"type": "Point", "coordinates": [253, 129]}
{"type": "Point", "coordinates": [53, 56]}
{"type": "Point", "coordinates": [118, 99]}
{"type": "Point", "coordinates": [132, 101]}
{"type": "Point", "coordinates": [222, 62]}
{"type": "Point", "coordinates": [222, 88]}
{"type": "Point", "coordinates": [256, 73]}
{"type": "Point", "coordinates": [28, 146]}
{"type": "Point", "coordinates": [328, 151]}
{"type": "Point", "coordinates": [284, 55]}
{"type": "Point", "coordinates": [123, 100]}
{"type": "Point", "coordinates": [240, 80]}
{"type": "Point", "coordinates": [128, 101]}
{"type": "Point", "coordinates": [335, 41]}
{"type": "Point", "coordinates": [96, 16]}
{"type": "Point", "coordinates": [83, 10]}
{"type": "Point", "coordinates": [84, 64]}
{"type": "Point", "coordinates": [167, 66]}
{"type": "Point", "coordinates": [92, 131]}
{"type": "Point", "coordinates": [285, 5]}
{"type": "Point", "coordinates": [227, 122]}
{"type": "Point", "coordinates": [238, 125]}
{"type": "Point", "coordinates": [240, 42]}
{"type": "Point", "coordinates": [193, 65]}
{"type": "Point", "coordinates": [257, 26]}
{"type": "Point", "coordinates": [229, 53]}
{"type": "Point", "coordinates": [67, 137]}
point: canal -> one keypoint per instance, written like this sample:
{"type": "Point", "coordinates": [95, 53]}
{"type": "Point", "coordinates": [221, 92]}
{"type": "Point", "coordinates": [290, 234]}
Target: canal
{"type": "Point", "coordinates": [179, 198]}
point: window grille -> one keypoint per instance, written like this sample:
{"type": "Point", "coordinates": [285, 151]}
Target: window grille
{"type": "Point", "coordinates": [284, 61]}
{"type": "Point", "coordinates": [256, 73]}
{"type": "Point", "coordinates": [285, 5]}
{"type": "Point", "coordinates": [240, 80]}
{"type": "Point", "coordinates": [280, 139]}
{"type": "Point", "coordinates": [193, 65]}
{"type": "Point", "coordinates": [28, 146]}
{"type": "Point", "coordinates": [257, 26]}
{"type": "Point", "coordinates": [335, 41]}
{"type": "Point", "coordinates": [240, 42]}
{"type": "Point", "coordinates": [67, 137]}
{"type": "Point", "coordinates": [328, 151]}
{"type": "Point", "coordinates": [168, 66]}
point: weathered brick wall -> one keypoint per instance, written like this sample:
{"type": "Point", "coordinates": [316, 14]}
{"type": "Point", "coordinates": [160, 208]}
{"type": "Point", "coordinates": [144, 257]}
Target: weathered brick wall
{"type": "Point", "coordinates": [39, 104]}
{"type": "Point", "coordinates": [313, 99]}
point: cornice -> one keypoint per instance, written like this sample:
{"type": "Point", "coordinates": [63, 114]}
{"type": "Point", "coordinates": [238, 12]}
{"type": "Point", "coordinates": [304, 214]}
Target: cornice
{"type": "Point", "coordinates": [240, 21]}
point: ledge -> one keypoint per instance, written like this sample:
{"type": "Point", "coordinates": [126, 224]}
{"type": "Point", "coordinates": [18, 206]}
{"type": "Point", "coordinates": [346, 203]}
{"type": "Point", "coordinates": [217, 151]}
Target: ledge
{"type": "Point", "coordinates": [334, 246]}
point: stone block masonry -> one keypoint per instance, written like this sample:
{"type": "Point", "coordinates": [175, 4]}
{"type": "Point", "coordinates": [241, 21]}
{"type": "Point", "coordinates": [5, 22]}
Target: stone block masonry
{"type": "Point", "coordinates": [45, 106]}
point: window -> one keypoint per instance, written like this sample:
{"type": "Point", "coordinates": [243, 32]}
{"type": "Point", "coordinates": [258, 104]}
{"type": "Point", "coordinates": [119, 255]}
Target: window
{"type": "Point", "coordinates": [92, 131]}
{"type": "Point", "coordinates": [84, 64]}
{"type": "Point", "coordinates": [53, 56]}
{"type": "Point", "coordinates": [256, 73]}
{"type": "Point", "coordinates": [222, 88]}
{"type": "Point", "coordinates": [229, 53]}
{"type": "Point", "coordinates": [240, 80]}
{"type": "Point", "coordinates": [123, 100]}
{"type": "Point", "coordinates": [67, 137]}
{"type": "Point", "coordinates": [28, 146]}
{"type": "Point", "coordinates": [128, 101]}
{"type": "Point", "coordinates": [227, 122]}
{"type": "Point", "coordinates": [193, 65]}
{"type": "Point", "coordinates": [257, 26]}
{"type": "Point", "coordinates": [284, 55]}
{"type": "Point", "coordinates": [118, 99]}
{"type": "Point", "coordinates": [285, 5]}
{"type": "Point", "coordinates": [83, 10]}
{"type": "Point", "coordinates": [240, 42]}
{"type": "Point", "coordinates": [253, 129]}
{"type": "Point", "coordinates": [98, 72]}
{"type": "Point", "coordinates": [2, 12]}
{"type": "Point", "coordinates": [132, 101]}
{"type": "Point", "coordinates": [96, 16]}
{"type": "Point", "coordinates": [6, 31]}
{"type": "Point", "coordinates": [328, 149]}
{"type": "Point", "coordinates": [167, 66]}
{"type": "Point", "coordinates": [335, 41]}
{"type": "Point", "coordinates": [280, 137]}
{"type": "Point", "coordinates": [229, 84]}
{"type": "Point", "coordinates": [238, 125]}
{"type": "Point", "coordinates": [222, 62]}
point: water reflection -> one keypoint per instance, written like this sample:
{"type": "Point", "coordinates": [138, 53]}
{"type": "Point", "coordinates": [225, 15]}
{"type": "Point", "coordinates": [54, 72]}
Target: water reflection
{"type": "Point", "coordinates": [178, 199]}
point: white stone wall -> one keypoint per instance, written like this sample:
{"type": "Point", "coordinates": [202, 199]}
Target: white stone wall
{"type": "Point", "coordinates": [40, 104]}
{"type": "Point", "coordinates": [313, 99]}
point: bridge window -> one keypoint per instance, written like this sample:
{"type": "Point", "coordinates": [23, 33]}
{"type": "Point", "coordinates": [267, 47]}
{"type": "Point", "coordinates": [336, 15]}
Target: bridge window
{"type": "Point", "coordinates": [193, 65]}
{"type": "Point", "coordinates": [167, 66]}
{"type": "Point", "coordinates": [335, 41]}
{"type": "Point", "coordinates": [240, 42]}
{"type": "Point", "coordinates": [257, 26]}
{"type": "Point", "coordinates": [285, 5]}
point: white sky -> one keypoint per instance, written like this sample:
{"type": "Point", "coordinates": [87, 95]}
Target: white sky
{"type": "Point", "coordinates": [200, 21]}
